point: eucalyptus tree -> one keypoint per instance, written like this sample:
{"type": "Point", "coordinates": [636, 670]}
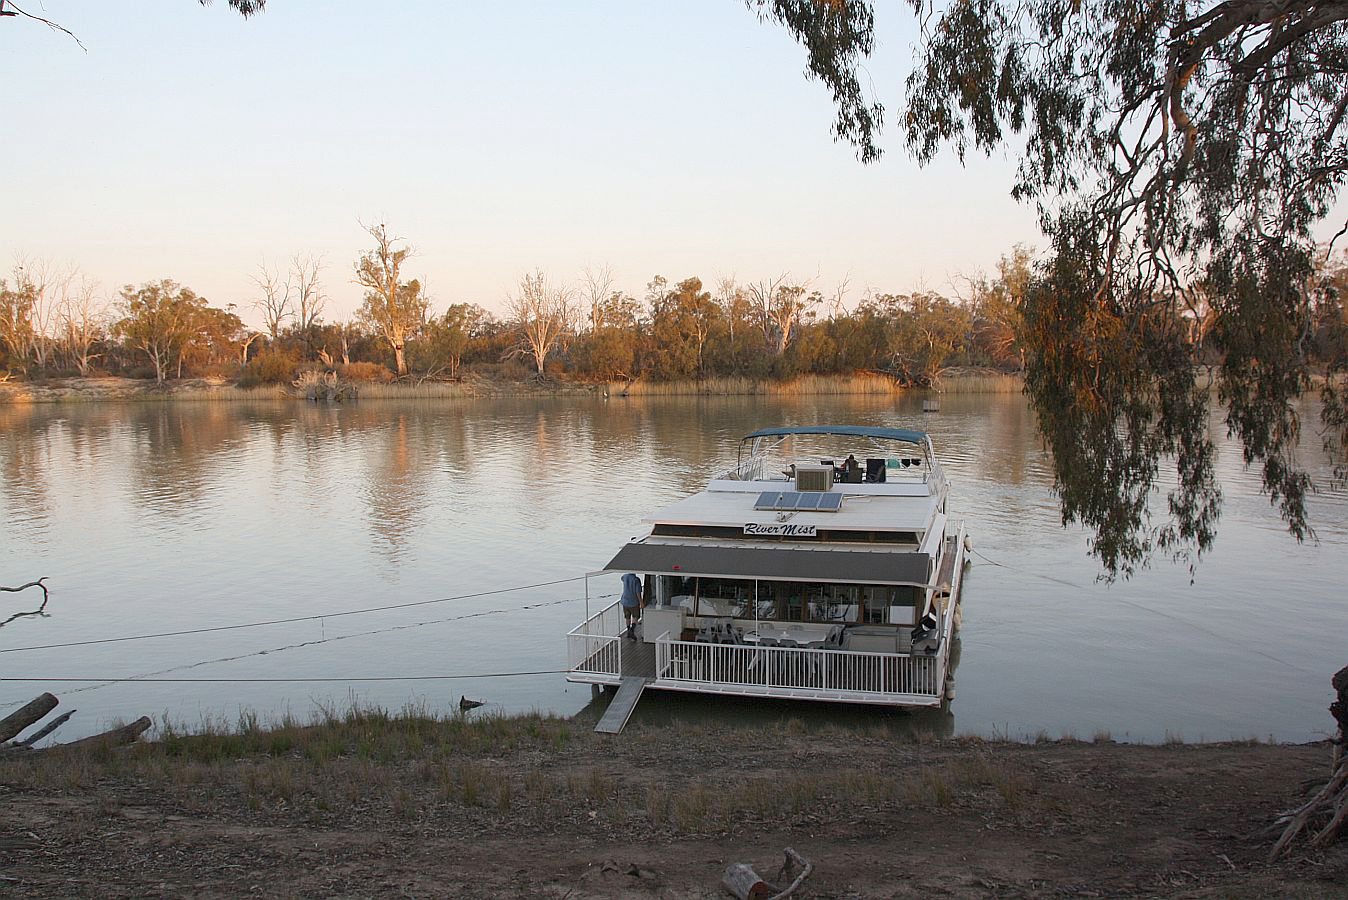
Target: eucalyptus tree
{"type": "Point", "coordinates": [1182, 154]}
{"type": "Point", "coordinates": [160, 319]}
{"type": "Point", "coordinates": [541, 313]}
{"type": "Point", "coordinates": [394, 308]}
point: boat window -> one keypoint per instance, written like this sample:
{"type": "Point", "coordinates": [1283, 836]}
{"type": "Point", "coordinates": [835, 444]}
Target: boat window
{"type": "Point", "coordinates": [790, 598]}
{"type": "Point", "coordinates": [841, 604]}
{"type": "Point", "coordinates": [725, 597]}
{"type": "Point", "coordinates": [832, 602]}
{"type": "Point", "coordinates": [674, 590]}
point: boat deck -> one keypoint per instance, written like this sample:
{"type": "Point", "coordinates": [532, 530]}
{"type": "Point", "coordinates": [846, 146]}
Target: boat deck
{"type": "Point", "coordinates": [638, 659]}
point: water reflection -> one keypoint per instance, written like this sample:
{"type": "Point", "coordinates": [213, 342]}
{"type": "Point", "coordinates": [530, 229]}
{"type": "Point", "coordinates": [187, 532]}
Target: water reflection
{"type": "Point", "coordinates": [395, 487]}
{"type": "Point", "coordinates": [658, 708]}
{"type": "Point", "coordinates": [216, 513]}
{"type": "Point", "coordinates": [25, 442]}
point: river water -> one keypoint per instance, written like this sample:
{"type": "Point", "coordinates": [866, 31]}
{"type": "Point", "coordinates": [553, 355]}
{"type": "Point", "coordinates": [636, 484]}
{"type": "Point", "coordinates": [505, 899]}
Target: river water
{"type": "Point", "coordinates": [154, 518]}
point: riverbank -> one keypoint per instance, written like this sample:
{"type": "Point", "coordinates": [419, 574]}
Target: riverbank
{"type": "Point", "coordinates": [84, 390]}
{"type": "Point", "coordinates": [371, 805]}
{"type": "Point", "coordinates": [109, 389]}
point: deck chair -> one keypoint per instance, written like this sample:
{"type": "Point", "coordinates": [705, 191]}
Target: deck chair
{"type": "Point", "coordinates": [875, 470]}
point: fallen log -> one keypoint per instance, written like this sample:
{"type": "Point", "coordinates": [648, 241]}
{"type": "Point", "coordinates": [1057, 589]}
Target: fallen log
{"type": "Point", "coordinates": [124, 734]}
{"type": "Point", "coordinates": [26, 715]}
{"type": "Point", "coordinates": [43, 732]}
{"type": "Point", "coordinates": [742, 881]}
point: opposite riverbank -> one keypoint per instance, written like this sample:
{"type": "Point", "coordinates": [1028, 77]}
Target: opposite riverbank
{"type": "Point", "coordinates": [368, 804]}
{"type": "Point", "coordinates": [109, 389]}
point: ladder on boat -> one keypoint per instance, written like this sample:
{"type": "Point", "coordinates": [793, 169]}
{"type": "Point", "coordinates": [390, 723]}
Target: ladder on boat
{"type": "Point", "coordinates": [621, 706]}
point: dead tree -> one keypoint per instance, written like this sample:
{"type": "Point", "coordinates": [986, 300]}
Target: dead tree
{"type": "Point", "coordinates": [1326, 813]}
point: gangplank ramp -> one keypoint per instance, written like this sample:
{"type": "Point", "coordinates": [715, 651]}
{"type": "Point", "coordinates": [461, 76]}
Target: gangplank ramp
{"type": "Point", "coordinates": [623, 703]}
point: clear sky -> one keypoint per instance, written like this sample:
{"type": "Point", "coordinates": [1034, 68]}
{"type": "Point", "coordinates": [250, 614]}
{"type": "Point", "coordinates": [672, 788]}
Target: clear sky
{"type": "Point", "coordinates": [658, 138]}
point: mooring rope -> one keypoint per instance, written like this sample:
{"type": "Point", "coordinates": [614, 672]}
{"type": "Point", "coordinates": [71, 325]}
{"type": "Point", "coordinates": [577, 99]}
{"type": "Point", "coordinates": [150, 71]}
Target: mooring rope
{"type": "Point", "coordinates": [292, 619]}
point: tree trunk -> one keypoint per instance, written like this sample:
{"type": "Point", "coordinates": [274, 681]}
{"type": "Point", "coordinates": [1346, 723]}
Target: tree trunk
{"type": "Point", "coordinates": [742, 881]}
{"type": "Point", "coordinates": [26, 715]}
{"type": "Point", "coordinates": [400, 358]}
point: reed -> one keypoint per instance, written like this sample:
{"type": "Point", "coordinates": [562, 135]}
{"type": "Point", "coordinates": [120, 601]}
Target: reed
{"type": "Point", "coordinates": [427, 390]}
{"type": "Point", "coordinates": [979, 382]}
{"type": "Point", "coordinates": [805, 385]}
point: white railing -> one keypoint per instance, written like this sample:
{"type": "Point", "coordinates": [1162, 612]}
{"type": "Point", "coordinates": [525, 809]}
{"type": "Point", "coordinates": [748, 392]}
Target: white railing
{"type": "Point", "coordinates": [797, 671]}
{"type": "Point", "coordinates": [596, 645]}
{"type": "Point", "coordinates": [749, 470]}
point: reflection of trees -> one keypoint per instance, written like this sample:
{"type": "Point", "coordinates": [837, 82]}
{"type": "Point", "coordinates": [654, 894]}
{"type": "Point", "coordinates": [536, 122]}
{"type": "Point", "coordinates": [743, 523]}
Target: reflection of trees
{"type": "Point", "coordinates": [396, 482]}
{"type": "Point", "coordinates": [179, 450]}
{"type": "Point", "coordinates": [24, 444]}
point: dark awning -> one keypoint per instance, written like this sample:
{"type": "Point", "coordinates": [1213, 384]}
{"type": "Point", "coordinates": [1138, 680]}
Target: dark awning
{"type": "Point", "coordinates": [776, 564]}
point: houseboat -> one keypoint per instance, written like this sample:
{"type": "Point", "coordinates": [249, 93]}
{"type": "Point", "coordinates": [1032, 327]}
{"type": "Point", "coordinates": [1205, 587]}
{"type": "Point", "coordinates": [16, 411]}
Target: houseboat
{"type": "Point", "coordinates": [821, 567]}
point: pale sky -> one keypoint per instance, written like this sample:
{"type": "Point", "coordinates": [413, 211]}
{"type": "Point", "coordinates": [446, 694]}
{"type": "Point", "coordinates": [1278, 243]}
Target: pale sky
{"type": "Point", "coordinates": [658, 138]}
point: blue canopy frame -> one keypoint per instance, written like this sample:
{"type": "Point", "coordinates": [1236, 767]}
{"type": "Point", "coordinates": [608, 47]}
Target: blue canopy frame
{"type": "Point", "coordinates": [867, 431]}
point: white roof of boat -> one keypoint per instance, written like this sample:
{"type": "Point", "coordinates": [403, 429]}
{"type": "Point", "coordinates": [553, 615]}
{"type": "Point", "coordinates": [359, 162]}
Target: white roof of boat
{"type": "Point", "coordinates": [864, 508]}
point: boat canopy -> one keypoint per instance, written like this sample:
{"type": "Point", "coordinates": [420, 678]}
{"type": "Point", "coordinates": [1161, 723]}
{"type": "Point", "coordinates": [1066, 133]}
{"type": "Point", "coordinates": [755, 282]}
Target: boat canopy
{"type": "Point", "coordinates": [866, 431]}
{"type": "Point", "coordinates": [773, 564]}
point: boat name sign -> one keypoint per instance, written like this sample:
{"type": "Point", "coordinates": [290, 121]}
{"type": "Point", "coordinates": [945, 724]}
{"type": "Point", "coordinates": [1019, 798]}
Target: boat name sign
{"type": "Point", "coordinates": [783, 529]}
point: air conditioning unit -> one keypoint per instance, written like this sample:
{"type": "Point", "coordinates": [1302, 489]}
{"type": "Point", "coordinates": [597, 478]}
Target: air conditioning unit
{"type": "Point", "coordinates": [814, 478]}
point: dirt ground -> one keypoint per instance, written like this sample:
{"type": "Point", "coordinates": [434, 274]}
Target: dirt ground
{"type": "Point", "coordinates": [549, 809]}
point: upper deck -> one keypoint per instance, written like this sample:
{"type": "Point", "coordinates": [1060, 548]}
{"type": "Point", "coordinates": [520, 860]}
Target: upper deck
{"type": "Point", "coordinates": [892, 488]}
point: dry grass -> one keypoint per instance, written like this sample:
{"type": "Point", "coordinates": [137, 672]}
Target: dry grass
{"type": "Point", "coordinates": [412, 764]}
{"type": "Point", "coordinates": [806, 385]}
{"type": "Point", "coordinates": [427, 390]}
{"type": "Point", "coordinates": [979, 382]}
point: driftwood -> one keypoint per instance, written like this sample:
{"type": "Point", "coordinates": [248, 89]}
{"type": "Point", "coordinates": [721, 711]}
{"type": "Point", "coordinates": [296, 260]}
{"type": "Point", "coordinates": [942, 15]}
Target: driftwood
{"type": "Point", "coordinates": [1327, 810]}
{"type": "Point", "coordinates": [41, 610]}
{"type": "Point", "coordinates": [26, 715]}
{"type": "Point", "coordinates": [46, 730]}
{"type": "Point", "coordinates": [34, 710]}
{"type": "Point", "coordinates": [124, 734]}
{"type": "Point", "coordinates": [24, 587]}
{"type": "Point", "coordinates": [742, 881]}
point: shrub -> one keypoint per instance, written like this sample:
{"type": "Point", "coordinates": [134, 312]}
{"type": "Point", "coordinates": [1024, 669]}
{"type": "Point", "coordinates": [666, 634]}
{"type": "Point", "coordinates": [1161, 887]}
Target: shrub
{"type": "Point", "coordinates": [506, 370]}
{"type": "Point", "coordinates": [268, 367]}
{"type": "Point", "coordinates": [365, 371]}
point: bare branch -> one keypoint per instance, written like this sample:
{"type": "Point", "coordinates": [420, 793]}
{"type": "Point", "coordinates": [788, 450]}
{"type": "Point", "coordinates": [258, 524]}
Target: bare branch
{"type": "Point", "coordinates": [50, 24]}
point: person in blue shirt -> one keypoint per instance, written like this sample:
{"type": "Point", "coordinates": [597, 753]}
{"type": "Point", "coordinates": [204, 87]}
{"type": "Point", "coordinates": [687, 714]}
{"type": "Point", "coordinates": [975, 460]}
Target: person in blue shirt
{"type": "Point", "coordinates": [632, 603]}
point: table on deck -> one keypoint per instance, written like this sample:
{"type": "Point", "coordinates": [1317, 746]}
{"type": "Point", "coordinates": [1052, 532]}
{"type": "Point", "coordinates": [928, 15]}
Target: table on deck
{"type": "Point", "coordinates": [802, 633]}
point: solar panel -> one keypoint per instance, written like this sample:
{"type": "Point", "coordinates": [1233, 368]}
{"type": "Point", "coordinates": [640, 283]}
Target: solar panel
{"type": "Point", "coordinates": [830, 502]}
{"type": "Point", "coordinates": [810, 500]}
{"type": "Point", "coordinates": [803, 501]}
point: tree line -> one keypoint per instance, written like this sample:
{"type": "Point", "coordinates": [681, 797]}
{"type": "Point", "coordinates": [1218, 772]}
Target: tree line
{"type": "Point", "coordinates": [54, 323]}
